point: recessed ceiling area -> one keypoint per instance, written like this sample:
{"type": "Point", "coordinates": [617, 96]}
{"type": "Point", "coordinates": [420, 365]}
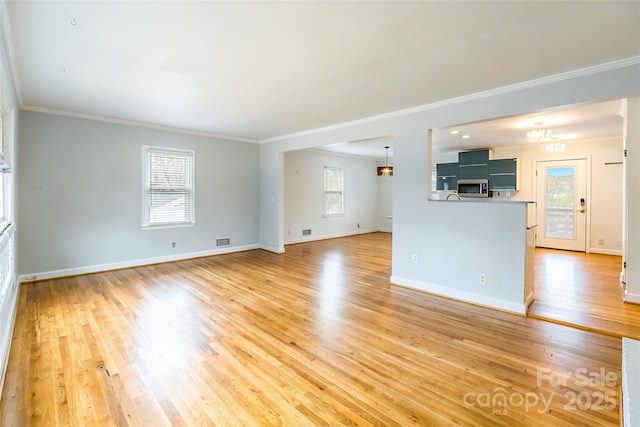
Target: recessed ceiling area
{"type": "Point", "coordinates": [586, 121]}
{"type": "Point", "coordinates": [259, 70]}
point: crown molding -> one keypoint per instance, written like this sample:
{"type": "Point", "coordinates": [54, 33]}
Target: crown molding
{"type": "Point", "coordinates": [594, 69]}
{"type": "Point", "coordinates": [134, 123]}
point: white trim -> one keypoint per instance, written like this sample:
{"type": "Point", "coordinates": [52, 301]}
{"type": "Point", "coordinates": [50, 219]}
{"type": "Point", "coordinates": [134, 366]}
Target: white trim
{"type": "Point", "coordinates": [594, 69]}
{"type": "Point", "coordinates": [272, 249]}
{"type": "Point", "coordinates": [130, 264]}
{"type": "Point", "coordinates": [134, 123]}
{"type": "Point", "coordinates": [617, 252]}
{"type": "Point", "coordinates": [631, 297]}
{"type": "Point", "coordinates": [630, 382]}
{"type": "Point", "coordinates": [460, 295]}
{"type": "Point", "coordinates": [330, 236]}
{"type": "Point", "coordinates": [160, 226]}
{"type": "Point", "coordinates": [147, 151]}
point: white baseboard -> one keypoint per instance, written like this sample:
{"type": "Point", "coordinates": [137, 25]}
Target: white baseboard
{"type": "Point", "coordinates": [617, 252]}
{"type": "Point", "coordinates": [272, 249]}
{"type": "Point", "coordinates": [129, 264]}
{"type": "Point", "coordinates": [329, 236]}
{"type": "Point", "coordinates": [631, 297]}
{"type": "Point", "coordinates": [461, 295]}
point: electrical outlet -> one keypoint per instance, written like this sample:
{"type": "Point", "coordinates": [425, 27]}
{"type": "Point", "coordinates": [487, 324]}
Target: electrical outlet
{"type": "Point", "coordinates": [358, 225]}
{"type": "Point", "coordinates": [483, 279]}
{"type": "Point", "coordinates": [173, 244]}
{"type": "Point", "coordinates": [414, 258]}
{"type": "Point", "coordinates": [601, 242]}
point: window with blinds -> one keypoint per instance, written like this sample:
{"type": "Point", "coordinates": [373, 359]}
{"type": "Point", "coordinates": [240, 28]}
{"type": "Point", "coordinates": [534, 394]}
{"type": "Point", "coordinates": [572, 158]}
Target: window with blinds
{"type": "Point", "coordinates": [168, 187]}
{"type": "Point", "coordinates": [6, 262]}
{"type": "Point", "coordinates": [333, 191]}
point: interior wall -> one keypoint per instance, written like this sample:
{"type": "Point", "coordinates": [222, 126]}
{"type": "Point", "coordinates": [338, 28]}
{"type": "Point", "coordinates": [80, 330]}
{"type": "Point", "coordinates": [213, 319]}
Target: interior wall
{"type": "Point", "coordinates": [420, 225]}
{"type": "Point", "coordinates": [633, 201]}
{"type": "Point", "coordinates": [80, 188]}
{"type": "Point", "coordinates": [304, 196]}
{"type": "Point", "coordinates": [385, 203]}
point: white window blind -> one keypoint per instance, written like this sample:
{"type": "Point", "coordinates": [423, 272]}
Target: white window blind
{"type": "Point", "coordinates": [6, 261]}
{"type": "Point", "coordinates": [168, 186]}
{"type": "Point", "coordinates": [333, 191]}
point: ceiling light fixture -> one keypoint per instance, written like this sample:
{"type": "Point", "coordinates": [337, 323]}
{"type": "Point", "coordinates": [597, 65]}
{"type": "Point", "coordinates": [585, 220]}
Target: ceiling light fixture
{"type": "Point", "coordinates": [466, 136]}
{"type": "Point", "coordinates": [539, 134]}
{"type": "Point", "coordinates": [385, 170]}
{"type": "Point", "coordinates": [454, 132]}
{"type": "Point", "coordinates": [554, 147]}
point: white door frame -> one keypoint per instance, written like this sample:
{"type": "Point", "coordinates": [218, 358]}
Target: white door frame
{"type": "Point", "coordinates": [589, 197]}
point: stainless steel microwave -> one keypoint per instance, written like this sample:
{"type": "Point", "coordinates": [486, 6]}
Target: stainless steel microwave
{"type": "Point", "coordinates": [473, 187]}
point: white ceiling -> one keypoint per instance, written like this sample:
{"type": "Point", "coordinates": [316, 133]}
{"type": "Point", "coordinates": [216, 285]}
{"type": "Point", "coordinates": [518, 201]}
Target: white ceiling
{"type": "Point", "coordinates": [257, 70]}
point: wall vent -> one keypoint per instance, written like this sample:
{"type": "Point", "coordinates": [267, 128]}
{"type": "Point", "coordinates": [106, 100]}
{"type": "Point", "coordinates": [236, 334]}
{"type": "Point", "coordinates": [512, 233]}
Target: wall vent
{"type": "Point", "coordinates": [306, 232]}
{"type": "Point", "coordinates": [223, 242]}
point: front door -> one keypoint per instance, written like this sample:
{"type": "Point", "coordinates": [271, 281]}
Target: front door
{"type": "Point", "coordinates": [562, 204]}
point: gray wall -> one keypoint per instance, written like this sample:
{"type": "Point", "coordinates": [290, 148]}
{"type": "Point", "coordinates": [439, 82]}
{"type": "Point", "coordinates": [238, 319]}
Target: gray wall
{"type": "Point", "coordinates": [415, 219]}
{"type": "Point", "coordinates": [79, 194]}
{"type": "Point", "coordinates": [304, 196]}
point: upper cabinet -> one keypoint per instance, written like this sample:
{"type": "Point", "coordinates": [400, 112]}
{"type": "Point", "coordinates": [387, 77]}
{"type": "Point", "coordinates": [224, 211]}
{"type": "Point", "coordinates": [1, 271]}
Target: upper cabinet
{"type": "Point", "coordinates": [474, 164]}
{"type": "Point", "coordinates": [446, 176]}
{"type": "Point", "coordinates": [504, 175]}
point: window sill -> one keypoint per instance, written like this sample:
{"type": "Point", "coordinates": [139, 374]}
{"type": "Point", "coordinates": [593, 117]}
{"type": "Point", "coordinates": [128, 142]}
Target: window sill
{"type": "Point", "coordinates": [333, 215]}
{"type": "Point", "coordinates": [160, 226]}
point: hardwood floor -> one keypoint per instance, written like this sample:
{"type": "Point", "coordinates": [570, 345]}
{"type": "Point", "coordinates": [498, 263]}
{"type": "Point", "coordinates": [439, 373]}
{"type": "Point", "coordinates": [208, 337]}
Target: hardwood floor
{"type": "Point", "coordinates": [583, 290]}
{"type": "Point", "coordinates": [316, 336]}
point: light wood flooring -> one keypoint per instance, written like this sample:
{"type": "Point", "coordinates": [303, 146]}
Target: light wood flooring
{"type": "Point", "coordinates": [316, 336]}
{"type": "Point", "coordinates": [583, 290]}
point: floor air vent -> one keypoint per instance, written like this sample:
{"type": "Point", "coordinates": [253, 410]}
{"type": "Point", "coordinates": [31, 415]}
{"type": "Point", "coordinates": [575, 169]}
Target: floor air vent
{"type": "Point", "coordinates": [306, 232]}
{"type": "Point", "coordinates": [223, 242]}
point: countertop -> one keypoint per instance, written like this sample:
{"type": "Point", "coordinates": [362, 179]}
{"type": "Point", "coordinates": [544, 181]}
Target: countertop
{"type": "Point", "coordinates": [481, 200]}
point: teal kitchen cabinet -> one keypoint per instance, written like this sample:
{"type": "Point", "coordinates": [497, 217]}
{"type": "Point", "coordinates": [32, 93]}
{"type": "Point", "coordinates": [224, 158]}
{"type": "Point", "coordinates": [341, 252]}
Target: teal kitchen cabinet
{"type": "Point", "coordinates": [504, 175]}
{"type": "Point", "coordinates": [474, 164]}
{"type": "Point", "coordinates": [446, 176]}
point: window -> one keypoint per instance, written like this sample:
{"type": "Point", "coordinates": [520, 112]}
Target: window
{"type": "Point", "coordinates": [333, 191]}
{"type": "Point", "coordinates": [3, 191]}
{"type": "Point", "coordinates": [168, 187]}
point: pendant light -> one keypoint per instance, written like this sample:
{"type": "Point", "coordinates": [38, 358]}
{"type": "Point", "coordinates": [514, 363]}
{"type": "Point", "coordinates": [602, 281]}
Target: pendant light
{"type": "Point", "coordinates": [540, 134]}
{"type": "Point", "coordinates": [385, 170]}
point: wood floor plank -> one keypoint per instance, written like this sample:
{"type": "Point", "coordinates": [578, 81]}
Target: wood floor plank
{"type": "Point", "coordinates": [583, 290]}
{"type": "Point", "coordinates": [316, 336]}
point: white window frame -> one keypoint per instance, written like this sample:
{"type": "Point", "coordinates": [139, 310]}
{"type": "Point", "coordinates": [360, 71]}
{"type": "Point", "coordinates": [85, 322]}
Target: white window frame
{"type": "Point", "coordinates": [326, 191]}
{"type": "Point", "coordinates": [147, 150]}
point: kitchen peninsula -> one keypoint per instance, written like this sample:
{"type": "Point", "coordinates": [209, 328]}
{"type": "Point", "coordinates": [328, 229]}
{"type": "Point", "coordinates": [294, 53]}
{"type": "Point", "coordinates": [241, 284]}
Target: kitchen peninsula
{"type": "Point", "coordinates": [481, 252]}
